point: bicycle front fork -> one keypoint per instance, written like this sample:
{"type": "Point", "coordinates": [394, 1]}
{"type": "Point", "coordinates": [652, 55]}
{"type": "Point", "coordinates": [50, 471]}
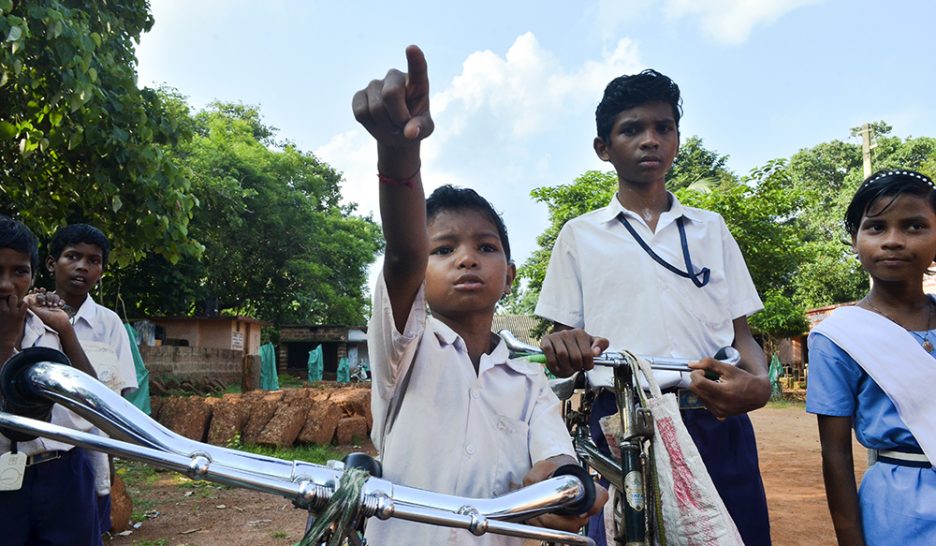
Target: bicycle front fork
{"type": "Point", "coordinates": [637, 491]}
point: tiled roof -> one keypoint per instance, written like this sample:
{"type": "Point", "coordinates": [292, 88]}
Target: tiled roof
{"type": "Point", "coordinates": [519, 325]}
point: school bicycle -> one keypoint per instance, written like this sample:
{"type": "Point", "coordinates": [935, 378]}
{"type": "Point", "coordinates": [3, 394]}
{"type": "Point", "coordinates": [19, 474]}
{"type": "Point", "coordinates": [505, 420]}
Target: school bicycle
{"type": "Point", "coordinates": [339, 497]}
{"type": "Point", "coordinates": [634, 504]}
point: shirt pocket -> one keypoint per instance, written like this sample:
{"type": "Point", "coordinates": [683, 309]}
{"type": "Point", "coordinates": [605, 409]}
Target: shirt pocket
{"type": "Point", "coordinates": [708, 305]}
{"type": "Point", "coordinates": [513, 454]}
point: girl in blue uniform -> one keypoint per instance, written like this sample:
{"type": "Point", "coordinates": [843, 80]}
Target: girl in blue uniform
{"type": "Point", "coordinates": [872, 365]}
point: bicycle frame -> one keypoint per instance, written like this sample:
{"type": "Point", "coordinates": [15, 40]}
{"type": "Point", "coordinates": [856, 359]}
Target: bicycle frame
{"type": "Point", "coordinates": [31, 386]}
{"type": "Point", "coordinates": [632, 474]}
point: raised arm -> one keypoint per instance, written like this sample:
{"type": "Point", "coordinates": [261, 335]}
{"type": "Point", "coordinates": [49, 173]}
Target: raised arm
{"type": "Point", "coordinates": [49, 309]}
{"type": "Point", "coordinates": [395, 111]}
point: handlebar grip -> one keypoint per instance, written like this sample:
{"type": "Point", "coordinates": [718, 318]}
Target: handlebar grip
{"type": "Point", "coordinates": [586, 502]}
{"type": "Point", "coordinates": [15, 393]}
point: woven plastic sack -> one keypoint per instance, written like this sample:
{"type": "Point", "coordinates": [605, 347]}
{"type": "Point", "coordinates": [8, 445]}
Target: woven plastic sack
{"type": "Point", "coordinates": [693, 512]}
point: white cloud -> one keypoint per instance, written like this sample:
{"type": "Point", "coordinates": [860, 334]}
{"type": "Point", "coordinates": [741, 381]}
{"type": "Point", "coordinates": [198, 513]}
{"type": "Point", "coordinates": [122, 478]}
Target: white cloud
{"type": "Point", "coordinates": [731, 21]}
{"type": "Point", "coordinates": [526, 90]}
{"type": "Point", "coordinates": [725, 21]}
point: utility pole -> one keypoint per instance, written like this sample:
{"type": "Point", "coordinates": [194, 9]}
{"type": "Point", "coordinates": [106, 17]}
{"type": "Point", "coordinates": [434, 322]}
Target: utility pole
{"type": "Point", "coordinates": [866, 147]}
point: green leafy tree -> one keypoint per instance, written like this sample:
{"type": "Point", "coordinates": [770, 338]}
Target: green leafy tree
{"type": "Point", "coordinates": [278, 244]}
{"type": "Point", "coordinates": [78, 140]}
{"type": "Point", "coordinates": [760, 212]}
{"type": "Point", "coordinates": [828, 175]}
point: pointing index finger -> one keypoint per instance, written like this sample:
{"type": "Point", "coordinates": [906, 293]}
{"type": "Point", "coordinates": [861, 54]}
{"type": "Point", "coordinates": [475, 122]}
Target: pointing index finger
{"type": "Point", "coordinates": [417, 71]}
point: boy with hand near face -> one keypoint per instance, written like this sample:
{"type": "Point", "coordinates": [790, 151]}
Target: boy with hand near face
{"type": "Point", "coordinates": [653, 276]}
{"type": "Point", "coordinates": [452, 412]}
{"type": "Point", "coordinates": [55, 501]}
{"type": "Point", "coordinates": [77, 258]}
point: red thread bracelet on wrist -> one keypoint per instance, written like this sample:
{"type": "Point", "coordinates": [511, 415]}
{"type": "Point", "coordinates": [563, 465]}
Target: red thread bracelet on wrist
{"type": "Point", "coordinates": [409, 182]}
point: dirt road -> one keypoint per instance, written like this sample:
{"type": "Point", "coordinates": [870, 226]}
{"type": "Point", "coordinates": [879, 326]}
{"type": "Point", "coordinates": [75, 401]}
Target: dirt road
{"type": "Point", "coordinates": [211, 516]}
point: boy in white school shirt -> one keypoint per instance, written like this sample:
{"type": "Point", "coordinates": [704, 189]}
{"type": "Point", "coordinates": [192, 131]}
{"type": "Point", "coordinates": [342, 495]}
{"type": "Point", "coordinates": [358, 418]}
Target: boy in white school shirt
{"type": "Point", "coordinates": [452, 413]}
{"type": "Point", "coordinates": [77, 257]}
{"type": "Point", "coordinates": [649, 274]}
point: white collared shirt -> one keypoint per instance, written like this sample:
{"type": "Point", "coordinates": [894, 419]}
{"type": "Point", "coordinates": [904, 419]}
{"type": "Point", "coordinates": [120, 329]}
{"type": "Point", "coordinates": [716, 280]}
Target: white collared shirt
{"type": "Point", "coordinates": [456, 432]}
{"type": "Point", "coordinates": [601, 280]}
{"type": "Point", "coordinates": [37, 334]}
{"type": "Point", "coordinates": [107, 345]}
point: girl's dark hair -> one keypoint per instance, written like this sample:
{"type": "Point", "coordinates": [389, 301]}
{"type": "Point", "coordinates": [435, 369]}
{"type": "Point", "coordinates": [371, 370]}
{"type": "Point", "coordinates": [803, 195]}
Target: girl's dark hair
{"type": "Point", "coordinates": [892, 183]}
{"type": "Point", "coordinates": [79, 233]}
{"type": "Point", "coordinates": [626, 92]}
{"type": "Point", "coordinates": [15, 235]}
{"type": "Point", "coordinates": [449, 197]}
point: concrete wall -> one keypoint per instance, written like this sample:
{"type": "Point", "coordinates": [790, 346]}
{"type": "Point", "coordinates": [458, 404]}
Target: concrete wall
{"type": "Point", "coordinates": [196, 363]}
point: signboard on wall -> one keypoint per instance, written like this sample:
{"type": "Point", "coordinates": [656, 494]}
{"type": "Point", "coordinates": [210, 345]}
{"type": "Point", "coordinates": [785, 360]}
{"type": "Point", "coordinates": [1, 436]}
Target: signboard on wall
{"type": "Point", "coordinates": [237, 341]}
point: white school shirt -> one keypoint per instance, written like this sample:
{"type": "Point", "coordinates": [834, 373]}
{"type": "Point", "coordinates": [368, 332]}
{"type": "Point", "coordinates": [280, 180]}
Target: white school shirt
{"type": "Point", "coordinates": [455, 432]}
{"type": "Point", "coordinates": [107, 345]}
{"type": "Point", "coordinates": [37, 334]}
{"type": "Point", "coordinates": [601, 280]}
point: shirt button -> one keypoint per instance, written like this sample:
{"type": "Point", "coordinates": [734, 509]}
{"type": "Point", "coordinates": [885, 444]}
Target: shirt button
{"type": "Point", "coordinates": [470, 449]}
{"type": "Point", "coordinates": [475, 394]}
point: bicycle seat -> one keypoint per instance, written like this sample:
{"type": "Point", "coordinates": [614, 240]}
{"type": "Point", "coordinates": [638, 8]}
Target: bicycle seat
{"type": "Point", "coordinates": [564, 387]}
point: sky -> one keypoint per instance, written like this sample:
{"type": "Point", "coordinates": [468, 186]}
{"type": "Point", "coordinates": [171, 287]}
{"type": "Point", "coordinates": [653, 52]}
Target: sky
{"type": "Point", "coordinates": [514, 84]}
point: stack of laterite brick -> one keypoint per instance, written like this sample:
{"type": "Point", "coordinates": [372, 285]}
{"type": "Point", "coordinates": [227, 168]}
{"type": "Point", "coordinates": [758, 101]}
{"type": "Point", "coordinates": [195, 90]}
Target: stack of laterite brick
{"type": "Point", "coordinates": [320, 415]}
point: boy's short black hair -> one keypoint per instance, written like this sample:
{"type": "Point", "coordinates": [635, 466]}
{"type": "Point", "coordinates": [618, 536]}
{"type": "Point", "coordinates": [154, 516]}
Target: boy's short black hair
{"type": "Point", "coordinates": [79, 233]}
{"type": "Point", "coordinates": [449, 197]}
{"type": "Point", "coordinates": [626, 92]}
{"type": "Point", "coordinates": [15, 235]}
{"type": "Point", "coordinates": [890, 183]}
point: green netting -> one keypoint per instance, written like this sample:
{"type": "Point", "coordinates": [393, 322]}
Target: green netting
{"type": "Point", "coordinates": [268, 378]}
{"type": "Point", "coordinates": [344, 370]}
{"type": "Point", "coordinates": [140, 398]}
{"type": "Point", "coordinates": [776, 370]}
{"type": "Point", "coordinates": [316, 363]}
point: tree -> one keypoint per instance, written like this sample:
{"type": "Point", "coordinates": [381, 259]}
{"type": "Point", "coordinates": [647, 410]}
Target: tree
{"type": "Point", "coordinates": [828, 176]}
{"type": "Point", "coordinates": [760, 212]}
{"type": "Point", "coordinates": [278, 244]}
{"type": "Point", "coordinates": [697, 165]}
{"type": "Point", "coordinates": [78, 140]}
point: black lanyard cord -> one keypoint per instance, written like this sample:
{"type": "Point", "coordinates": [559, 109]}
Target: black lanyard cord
{"type": "Point", "coordinates": [694, 277]}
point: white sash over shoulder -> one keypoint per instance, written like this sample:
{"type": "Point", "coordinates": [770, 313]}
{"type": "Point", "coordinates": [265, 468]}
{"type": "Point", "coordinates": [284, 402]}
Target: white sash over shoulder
{"type": "Point", "coordinates": [895, 361]}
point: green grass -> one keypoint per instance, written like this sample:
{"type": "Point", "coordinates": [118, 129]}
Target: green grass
{"type": "Point", "coordinates": [785, 403]}
{"type": "Point", "coordinates": [318, 454]}
{"type": "Point", "coordinates": [157, 542]}
{"type": "Point", "coordinates": [290, 381]}
{"type": "Point", "coordinates": [278, 534]}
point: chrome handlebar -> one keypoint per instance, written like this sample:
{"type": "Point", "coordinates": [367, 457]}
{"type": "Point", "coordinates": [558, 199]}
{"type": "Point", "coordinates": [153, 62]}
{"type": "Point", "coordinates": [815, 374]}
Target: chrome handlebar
{"type": "Point", "coordinates": [517, 348]}
{"type": "Point", "coordinates": [134, 436]}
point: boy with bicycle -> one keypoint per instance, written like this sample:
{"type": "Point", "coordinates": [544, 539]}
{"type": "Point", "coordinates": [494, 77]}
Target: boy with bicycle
{"type": "Point", "coordinates": [452, 412]}
{"type": "Point", "coordinates": [651, 275]}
